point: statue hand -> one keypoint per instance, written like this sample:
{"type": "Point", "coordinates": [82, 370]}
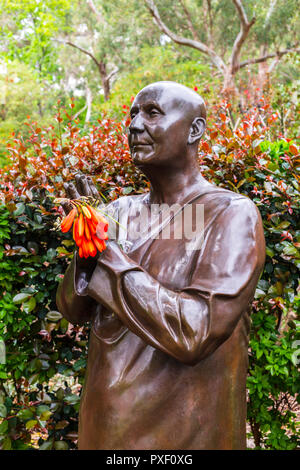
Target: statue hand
{"type": "Point", "coordinates": [83, 186]}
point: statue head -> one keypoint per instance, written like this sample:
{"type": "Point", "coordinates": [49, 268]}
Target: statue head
{"type": "Point", "coordinates": [167, 122]}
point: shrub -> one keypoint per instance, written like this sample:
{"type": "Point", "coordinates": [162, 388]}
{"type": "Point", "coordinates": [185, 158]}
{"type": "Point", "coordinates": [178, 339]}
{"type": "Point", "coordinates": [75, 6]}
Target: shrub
{"type": "Point", "coordinates": [46, 356]}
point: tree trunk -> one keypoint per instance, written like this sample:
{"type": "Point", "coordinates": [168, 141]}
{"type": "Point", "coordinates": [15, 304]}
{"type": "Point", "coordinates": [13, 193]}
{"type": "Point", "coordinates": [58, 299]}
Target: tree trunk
{"type": "Point", "coordinates": [229, 88]}
{"type": "Point", "coordinates": [263, 71]}
{"type": "Point", "coordinates": [104, 79]}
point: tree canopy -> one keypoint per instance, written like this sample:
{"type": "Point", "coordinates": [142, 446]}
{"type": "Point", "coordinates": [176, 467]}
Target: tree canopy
{"type": "Point", "coordinates": [85, 48]}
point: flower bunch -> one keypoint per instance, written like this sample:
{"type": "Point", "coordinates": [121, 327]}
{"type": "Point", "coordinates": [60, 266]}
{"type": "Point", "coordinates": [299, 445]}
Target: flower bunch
{"type": "Point", "coordinates": [89, 228]}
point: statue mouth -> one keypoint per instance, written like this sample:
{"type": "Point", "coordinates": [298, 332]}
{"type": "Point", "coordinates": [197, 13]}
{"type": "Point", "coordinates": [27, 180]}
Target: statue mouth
{"type": "Point", "coordinates": [139, 147]}
{"type": "Point", "coordinates": [136, 145]}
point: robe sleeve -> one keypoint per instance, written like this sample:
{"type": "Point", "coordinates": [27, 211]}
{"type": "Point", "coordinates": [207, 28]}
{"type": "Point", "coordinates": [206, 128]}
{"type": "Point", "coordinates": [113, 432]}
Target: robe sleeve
{"type": "Point", "coordinates": [190, 324]}
{"type": "Point", "coordinates": [76, 306]}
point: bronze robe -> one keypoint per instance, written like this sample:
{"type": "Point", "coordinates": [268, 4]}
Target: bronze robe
{"type": "Point", "coordinates": [168, 354]}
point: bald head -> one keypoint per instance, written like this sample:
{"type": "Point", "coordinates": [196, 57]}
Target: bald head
{"type": "Point", "coordinates": [176, 95]}
{"type": "Point", "coordinates": [167, 122]}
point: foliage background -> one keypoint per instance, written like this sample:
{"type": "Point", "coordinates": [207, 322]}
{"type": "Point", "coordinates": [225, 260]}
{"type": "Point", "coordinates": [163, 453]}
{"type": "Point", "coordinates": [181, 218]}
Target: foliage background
{"type": "Point", "coordinates": [55, 122]}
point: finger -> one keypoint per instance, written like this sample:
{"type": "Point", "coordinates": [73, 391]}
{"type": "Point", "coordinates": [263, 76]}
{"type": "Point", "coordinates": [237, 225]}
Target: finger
{"type": "Point", "coordinates": [74, 194]}
{"type": "Point", "coordinates": [79, 185]}
{"type": "Point", "coordinates": [67, 207]}
{"type": "Point", "coordinates": [66, 186]}
{"type": "Point", "coordinates": [85, 188]}
{"type": "Point", "coordinates": [93, 189]}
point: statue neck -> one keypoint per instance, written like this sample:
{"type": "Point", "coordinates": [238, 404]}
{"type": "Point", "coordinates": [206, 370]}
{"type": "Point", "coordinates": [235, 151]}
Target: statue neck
{"type": "Point", "coordinates": [171, 186]}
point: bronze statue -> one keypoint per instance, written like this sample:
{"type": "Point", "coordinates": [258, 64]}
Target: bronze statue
{"type": "Point", "coordinates": [168, 355]}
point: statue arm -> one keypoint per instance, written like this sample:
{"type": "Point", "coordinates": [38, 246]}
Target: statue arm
{"type": "Point", "coordinates": [71, 301]}
{"type": "Point", "coordinates": [190, 324]}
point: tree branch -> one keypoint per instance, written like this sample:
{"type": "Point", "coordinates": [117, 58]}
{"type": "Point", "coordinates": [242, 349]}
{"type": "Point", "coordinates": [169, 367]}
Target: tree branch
{"type": "Point", "coordinates": [112, 73]}
{"type": "Point", "coordinates": [242, 35]}
{"type": "Point", "coordinates": [200, 46]}
{"type": "Point", "coordinates": [189, 20]}
{"type": "Point", "coordinates": [208, 22]}
{"type": "Point", "coordinates": [241, 12]}
{"type": "Point", "coordinates": [270, 12]}
{"type": "Point", "coordinates": [69, 43]}
{"type": "Point", "coordinates": [277, 54]}
{"type": "Point", "coordinates": [95, 11]}
{"type": "Point", "coordinates": [80, 111]}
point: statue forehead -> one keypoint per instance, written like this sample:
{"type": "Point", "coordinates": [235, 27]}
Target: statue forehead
{"type": "Point", "coordinates": [170, 95]}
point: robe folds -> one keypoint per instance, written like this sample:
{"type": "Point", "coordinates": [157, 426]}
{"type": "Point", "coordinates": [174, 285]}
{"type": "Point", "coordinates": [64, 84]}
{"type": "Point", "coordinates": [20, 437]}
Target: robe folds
{"type": "Point", "coordinates": [168, 350]}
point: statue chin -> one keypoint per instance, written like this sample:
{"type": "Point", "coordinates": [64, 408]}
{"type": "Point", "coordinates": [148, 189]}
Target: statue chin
{"type": "Point", "coordinates": [142, 155]}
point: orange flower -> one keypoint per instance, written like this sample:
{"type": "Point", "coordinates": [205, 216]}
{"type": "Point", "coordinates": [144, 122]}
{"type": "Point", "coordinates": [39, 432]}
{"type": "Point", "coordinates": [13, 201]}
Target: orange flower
{"type": "Point", "coordinates": [85, 210]}
{"type": "Point", "coordinates": [68, 221]}
{"type": "Point", "coordinates": [87, 232]}
{"type": "Point", "coordinates": [92, 226]}
{"type": "Point", "coordinates": [84, 246]}
{"type": "Point", "coordinates": [100, 244]}
{"type": "Point", "coordinates": [77, 238]}
{"type": "Point", "coordinates": [99, 219]}
{"type": "Point", "coordinates": [89, 229]}
{"type": "Point", "coordinates": [101, 233]}
{"type": "Point", "coordinates": [92, 249]}
{"type": "Point", "coordinates": [80, 225]}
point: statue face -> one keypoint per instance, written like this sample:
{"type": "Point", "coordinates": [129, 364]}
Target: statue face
{"type": "Point", "coordinates": [160, 126]}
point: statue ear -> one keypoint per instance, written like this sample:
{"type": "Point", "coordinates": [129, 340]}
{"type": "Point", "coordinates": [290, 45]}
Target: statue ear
{"type": "Point", "coordinates": [197, 130]}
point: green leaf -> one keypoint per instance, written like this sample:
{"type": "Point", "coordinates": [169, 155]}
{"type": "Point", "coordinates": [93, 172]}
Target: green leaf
{"type": "Point", "coordinates": [25, 414]}
{"type": "Point", "coordinates": [54, 316]}
{"type": "Point", "coordinates": [127, 190]}
{"type": "Point", "coordinates": [48, 445]}
{"type": "Point", "coordinates": [45, 415]}
{"type": "Point", "coordinates": [31, 423]}
{"type": "Point", "coordinates": [19, 298]}
{"type": "Point", "coordinates": [33, 379]}
{"type": "Point", "coordinates": [41, 409]}
{"type": "Point", "coordinates": [6, 445]}
{"type": "Point", "coordinates": [259, 293]}
{"type": "Point", "coordinates": [61, 445]}
{"type": "Point", "coordinates": [72, 399]}
{"type": "Point", "coordinates": [79, 364]}
{"type": "Point", "coordinates": [3, 411]}
{"type": "Point", "coordinates": [68, 242]}
{"type": "Point", "coordinates": [284, 224]}
{"type": "Point", "coordinates": [51, 254]}
{"type": "Point", "coordinates": [290, 250]}
{"type": "Point", "coordinates": [270, 252]}
{"type": "Point", "coordinates": [20, 209]}
{"type": "Point", "coordinates": [64, 324]}
{"type": "Point", "coordinates": [3, 427]}
{"type": "Point", "coordinates": [29, 305]}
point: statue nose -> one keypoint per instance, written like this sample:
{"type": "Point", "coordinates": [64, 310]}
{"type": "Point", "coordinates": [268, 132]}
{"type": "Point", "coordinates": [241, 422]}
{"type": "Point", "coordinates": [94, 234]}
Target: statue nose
{"type": "Point", "coordinates": [137, 124]}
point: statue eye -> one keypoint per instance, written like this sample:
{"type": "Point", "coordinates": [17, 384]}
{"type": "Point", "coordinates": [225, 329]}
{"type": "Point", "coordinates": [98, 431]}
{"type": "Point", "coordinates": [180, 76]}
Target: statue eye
{"type": "Point", "coordinates": [153, 112]}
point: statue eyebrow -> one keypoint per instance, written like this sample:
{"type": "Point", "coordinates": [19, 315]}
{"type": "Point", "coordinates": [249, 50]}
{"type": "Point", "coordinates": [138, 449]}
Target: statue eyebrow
{"type": "Point", "coordinates": [152, 104]}
{"type": "Point", "coordinates": [147, 105]}
{"type": "Point", "coordinates": [133, 110]}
